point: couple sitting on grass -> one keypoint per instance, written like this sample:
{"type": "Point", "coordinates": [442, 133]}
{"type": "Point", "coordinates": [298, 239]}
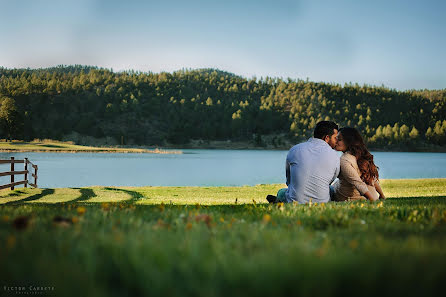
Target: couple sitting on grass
{"type": "Point", "coordinates": [313, 166]}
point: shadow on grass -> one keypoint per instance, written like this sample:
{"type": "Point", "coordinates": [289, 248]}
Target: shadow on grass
{"type": "Point", "coordinates": [135, 195]}
{"type": "Point", "coordinates": [45, 192]}
{"type": "Point", "coordinates": [223, 209]}
{"type": "Point", "coordinates": [15, 193]}
{"type": "Point", "coordinates": [423, 200]}
{"type": "Point", "coordinates": [241, 207]}
{"type": "Point", "coordinates": [51, 145]}
{"type": "Point", "coordinates": [85, 195]}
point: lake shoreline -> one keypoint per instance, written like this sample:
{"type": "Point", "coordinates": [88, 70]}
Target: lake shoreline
{"type": "Point", "coordinates": [54, 146]}
{"type": "Point", "coordinates": [256, 148]}
{"type": "Point", "coordinates": [177, 150]}
{"type": "Point", "coordinates": [105, 151]}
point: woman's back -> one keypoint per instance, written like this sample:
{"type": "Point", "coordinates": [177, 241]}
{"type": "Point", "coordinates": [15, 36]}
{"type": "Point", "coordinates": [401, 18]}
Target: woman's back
{"type": "Point", "coordinates": [350, 186]}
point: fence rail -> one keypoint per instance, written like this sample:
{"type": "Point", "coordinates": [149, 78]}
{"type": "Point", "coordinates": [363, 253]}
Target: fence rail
{"type": "Point", "coordinates": [13, 172]}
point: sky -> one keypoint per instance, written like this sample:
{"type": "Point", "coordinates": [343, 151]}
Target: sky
{"type": "Point", "coordinates": [395, 43]}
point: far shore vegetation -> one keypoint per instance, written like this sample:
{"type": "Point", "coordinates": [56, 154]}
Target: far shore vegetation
{"type": "Point", "coordinates": [54, 146]}
{"type": "Point", "coordinates": [209, 108]}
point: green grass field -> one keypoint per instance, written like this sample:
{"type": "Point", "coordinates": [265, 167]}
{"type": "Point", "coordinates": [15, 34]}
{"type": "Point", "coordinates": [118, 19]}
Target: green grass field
{"type": "Point", "coordinates": [222, 241]}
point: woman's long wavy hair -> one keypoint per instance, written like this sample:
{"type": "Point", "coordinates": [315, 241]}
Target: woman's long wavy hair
{"type": "Point", "coordinates": [356, 146]}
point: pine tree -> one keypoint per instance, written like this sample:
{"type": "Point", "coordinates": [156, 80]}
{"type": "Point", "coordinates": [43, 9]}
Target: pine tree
{"type": "Point", "coordinates": [404, 132]}
{"type": "Point", "coordinates": [429, 133]}
{"type": "Point", "coordinates": [396, 131]}
{"type": "Point", "coordinates": [9, 118]}
{"type": "Point", "coordinates": [414, 133]}
{"type": "Point", "coordinates": [209, 101]}
{"type": "Point", "coordinates": [387, 132]}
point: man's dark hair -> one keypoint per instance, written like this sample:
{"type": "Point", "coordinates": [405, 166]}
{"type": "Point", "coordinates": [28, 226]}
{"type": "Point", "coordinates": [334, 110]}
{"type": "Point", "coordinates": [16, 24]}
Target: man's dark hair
{"type": "Point", "coordinates": [324, 128]}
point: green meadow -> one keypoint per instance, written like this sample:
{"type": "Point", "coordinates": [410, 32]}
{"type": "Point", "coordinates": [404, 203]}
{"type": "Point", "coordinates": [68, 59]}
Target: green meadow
{"type": "Point", "coordinates": [222, 241]}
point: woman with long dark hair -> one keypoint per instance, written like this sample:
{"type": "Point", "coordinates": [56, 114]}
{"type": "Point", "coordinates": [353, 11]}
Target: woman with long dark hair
{"type": "Point", "coordinates": [359, 178]}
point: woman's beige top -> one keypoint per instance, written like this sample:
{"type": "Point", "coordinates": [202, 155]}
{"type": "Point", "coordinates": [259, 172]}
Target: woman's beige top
{"type": "Point", "coordinates": [350, 185]}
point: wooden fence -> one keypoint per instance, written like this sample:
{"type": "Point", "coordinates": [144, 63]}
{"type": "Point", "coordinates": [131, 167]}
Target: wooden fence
{"type": "Point", "coordinates": [13, 172]}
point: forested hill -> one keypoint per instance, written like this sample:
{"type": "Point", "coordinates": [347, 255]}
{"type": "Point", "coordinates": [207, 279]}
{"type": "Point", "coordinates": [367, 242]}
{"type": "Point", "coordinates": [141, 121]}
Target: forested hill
{"type": "Point", "coordinates": [174, 108]}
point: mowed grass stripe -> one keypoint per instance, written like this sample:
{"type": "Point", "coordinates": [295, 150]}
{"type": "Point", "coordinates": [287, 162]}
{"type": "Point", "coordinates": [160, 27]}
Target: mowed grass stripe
{"type": "Point", "coordinates": [207, 195]}
{"type": "Point", "coordinates": [403, 188]}
{"type": "Point", "coordinates": [58, 196]}
{"type": "Point", "coordinates": [62, 195]}
{"type": "Point", "coordinates": [429, 187]}
{"type": "Point", "coordinates": [8, 196]}
{"type": "Point", "coordinates": [107, 194]}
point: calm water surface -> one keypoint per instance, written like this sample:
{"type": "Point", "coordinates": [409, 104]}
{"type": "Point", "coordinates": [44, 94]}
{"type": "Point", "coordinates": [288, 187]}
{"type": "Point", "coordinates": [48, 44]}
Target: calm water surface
{"type": "Point", "coordinates": [198, 168]}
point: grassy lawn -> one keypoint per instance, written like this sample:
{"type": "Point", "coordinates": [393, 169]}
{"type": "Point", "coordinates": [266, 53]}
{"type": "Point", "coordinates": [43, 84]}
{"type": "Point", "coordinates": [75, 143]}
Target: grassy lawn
{"type": "Point", "coordinates": [222, 241]}
{"type": "Point", "coordinates": [59, 146]}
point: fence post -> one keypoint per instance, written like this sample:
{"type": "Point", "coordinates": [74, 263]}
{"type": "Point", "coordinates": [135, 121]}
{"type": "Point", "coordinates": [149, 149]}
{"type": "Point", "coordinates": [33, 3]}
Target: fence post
{"type": "Point", "coordinates": [26, 174]}
{"type": "Point", "coordinates": [12, 175]}
{"type": "Point", "coordinates": [35, 176]}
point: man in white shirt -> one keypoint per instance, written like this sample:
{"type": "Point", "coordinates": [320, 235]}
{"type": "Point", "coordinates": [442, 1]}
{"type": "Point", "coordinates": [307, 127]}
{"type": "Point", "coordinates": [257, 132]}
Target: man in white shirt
{"type": "Point", "coordinates": [311, 167]}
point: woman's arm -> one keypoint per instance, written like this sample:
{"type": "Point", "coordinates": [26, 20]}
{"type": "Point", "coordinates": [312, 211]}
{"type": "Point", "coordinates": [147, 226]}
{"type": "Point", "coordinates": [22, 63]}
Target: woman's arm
{"type": "Point", "coordinates": [379, 190]}
{"type": "Point", "coordinates": [351, 176]}
{"type": "Point", "coordinates": [369, 196]}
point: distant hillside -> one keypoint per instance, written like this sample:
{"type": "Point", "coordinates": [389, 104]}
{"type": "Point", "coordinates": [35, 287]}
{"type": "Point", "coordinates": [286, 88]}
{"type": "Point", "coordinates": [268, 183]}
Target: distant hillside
{"type": "Point", "coordinates": [91, 104]}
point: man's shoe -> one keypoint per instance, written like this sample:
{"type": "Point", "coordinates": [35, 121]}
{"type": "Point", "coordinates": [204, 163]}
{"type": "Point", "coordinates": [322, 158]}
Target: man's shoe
{"type": "Point", "coordinates": [271, 198]}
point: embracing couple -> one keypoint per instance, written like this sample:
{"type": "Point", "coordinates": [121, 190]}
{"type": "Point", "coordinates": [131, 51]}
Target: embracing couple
{"type": "Point", "coordinates": [313, 166]}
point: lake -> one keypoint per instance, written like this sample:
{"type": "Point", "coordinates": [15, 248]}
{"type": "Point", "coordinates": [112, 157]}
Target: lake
{"type": "Point", "coordinates": [198, 168]}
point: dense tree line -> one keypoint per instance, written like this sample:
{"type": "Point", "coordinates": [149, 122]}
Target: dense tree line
{"type": "Point", "coordinates": [159, 108]}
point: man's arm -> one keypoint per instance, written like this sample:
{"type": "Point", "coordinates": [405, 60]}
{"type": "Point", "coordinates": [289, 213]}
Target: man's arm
{"type": "Point", "coordinates": [287, 172]}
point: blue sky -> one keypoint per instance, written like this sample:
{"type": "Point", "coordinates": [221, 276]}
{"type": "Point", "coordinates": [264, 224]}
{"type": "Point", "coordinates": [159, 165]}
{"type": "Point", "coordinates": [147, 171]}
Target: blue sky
{"type": "Point", "coordinates": [401, 44]}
